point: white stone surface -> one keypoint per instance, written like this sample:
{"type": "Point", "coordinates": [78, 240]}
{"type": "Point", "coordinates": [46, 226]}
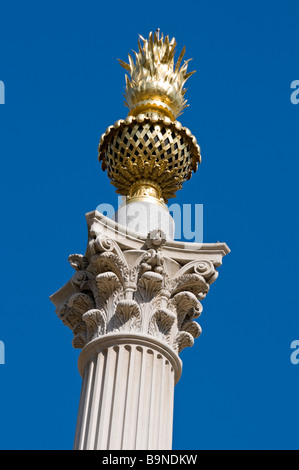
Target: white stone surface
{"type": "Point", "coordinates": [143, 217]}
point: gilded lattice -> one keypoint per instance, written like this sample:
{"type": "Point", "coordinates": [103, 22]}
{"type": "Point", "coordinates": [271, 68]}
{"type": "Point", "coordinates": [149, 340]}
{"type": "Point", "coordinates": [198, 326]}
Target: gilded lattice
{"type": "Point", "coordinates": [158, 150]}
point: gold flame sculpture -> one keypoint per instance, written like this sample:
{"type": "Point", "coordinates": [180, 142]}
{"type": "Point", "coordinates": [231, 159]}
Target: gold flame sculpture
{"type": "Point", "coordinates": [156, 82]}
{"type": "Point", "coordinates": [149, 154]}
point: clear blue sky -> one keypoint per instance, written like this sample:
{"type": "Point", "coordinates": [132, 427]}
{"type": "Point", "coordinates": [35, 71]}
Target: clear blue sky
{"type": "Point", "coordinates": [63, 84]}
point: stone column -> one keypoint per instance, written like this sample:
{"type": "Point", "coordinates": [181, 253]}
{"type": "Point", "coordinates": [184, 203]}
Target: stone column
{"type": "Point", "coordinates": [127, 394]}
{"type": "Point", "coordinates": [132, 305]}
{"type": "Point", "coordinates": [134, 298]}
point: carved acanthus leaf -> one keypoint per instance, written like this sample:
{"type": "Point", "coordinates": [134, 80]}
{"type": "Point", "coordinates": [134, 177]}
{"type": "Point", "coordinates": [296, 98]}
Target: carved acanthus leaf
{"type": "Point", "coordinates": [161, 323]}
{"type": "Point", "coordinates": [107, 284]}
{"type": "Point", "coordinates": [79, 341]}
{"type": "Point", "coordinates": [95, 321]}
{"type": "Point", "coordinates": [78, 262]}
{"type": "Point", "coordinates": [71, 314]}
{"type": "Point", "coordinates": [80, 303]}
{"type": "Point", "coordinates": [127, 316]}
{"type": "Point", "coordinates": [183, 340]}
{"type": "Point", "coordinates": [193, 283]}
{"type": "Point", "coordinates": [150, 283]}
{"type": "Point", "coordinates": [72, 311]}
{"type": "Point", "coordinates": [80, 335]}
{"type": "Point", "coordinates": [192, 327]}
{"type": "Point", "coordinates": [185, 337]}
{"type": "Point", "coordinates": [110, 262]}
{"type": "Point", "coordinates": [185, 304]}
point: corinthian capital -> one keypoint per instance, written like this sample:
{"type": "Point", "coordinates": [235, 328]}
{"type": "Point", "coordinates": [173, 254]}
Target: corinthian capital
{"type": "Point", "coordinates": [128, 284]}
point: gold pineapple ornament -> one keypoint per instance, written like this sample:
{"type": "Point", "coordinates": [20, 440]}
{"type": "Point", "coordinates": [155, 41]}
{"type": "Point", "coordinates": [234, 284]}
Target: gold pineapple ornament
{"type": "Point", "coordinates": [156, 82]}
{"type": "Point", "coordinates": [150, 154]}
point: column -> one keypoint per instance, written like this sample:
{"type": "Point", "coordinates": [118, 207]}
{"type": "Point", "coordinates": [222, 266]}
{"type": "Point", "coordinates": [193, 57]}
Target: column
{"type": "Point", "coordinates": [127, 394]}
{"type": "Point", "coordinates": [132, 305]}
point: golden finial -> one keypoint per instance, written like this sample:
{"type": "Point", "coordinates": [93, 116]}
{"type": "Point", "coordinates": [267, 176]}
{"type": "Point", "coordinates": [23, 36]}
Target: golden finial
{"type": "Point", "coordinates": [149, 155]}
{"type": "Point", "coordinates": [157, 83]}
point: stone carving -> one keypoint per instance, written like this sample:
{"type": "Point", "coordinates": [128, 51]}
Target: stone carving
{"type": "Point", "coordinates": [115, 292]}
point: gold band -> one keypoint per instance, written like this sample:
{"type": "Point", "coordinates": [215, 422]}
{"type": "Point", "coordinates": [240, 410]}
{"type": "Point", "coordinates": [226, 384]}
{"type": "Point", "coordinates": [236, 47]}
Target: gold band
{"type": "Point", "coordinates": [152, 106]}
{"type": "Point", "coordinates": [145, 191]}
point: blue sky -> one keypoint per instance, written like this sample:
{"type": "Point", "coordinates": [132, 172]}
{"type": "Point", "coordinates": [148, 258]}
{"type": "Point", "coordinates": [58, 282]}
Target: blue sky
{"type": "Point", "coordinates": [63, 88]}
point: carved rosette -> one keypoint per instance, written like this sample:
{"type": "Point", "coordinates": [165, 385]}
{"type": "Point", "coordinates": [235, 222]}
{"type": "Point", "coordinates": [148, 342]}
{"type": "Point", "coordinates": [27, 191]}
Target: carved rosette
{"type": "Point", "coordinates": [115, 295]}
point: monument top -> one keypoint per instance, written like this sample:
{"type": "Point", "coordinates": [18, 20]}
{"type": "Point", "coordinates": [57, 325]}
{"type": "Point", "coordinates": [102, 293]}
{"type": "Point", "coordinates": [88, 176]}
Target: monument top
{"type": "Point", "coordinates": [149, 155]}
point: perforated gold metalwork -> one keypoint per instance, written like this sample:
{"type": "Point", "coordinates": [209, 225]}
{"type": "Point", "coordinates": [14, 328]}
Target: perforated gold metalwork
{"type": "Point", "coordinates": [149, 148]}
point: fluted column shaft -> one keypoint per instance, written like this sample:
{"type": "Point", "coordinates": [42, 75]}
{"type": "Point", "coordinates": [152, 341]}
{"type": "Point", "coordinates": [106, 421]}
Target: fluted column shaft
{"type": "Point", "coordinates": [127, 394]}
